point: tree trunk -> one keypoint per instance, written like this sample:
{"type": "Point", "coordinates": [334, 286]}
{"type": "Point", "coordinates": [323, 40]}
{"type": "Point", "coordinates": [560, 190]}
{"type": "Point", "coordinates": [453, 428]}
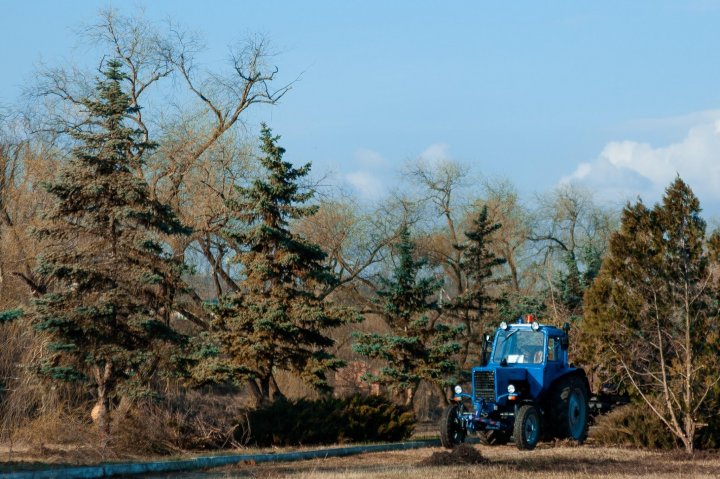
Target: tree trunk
{"type": "Point", "coordinates": [688, 440]}
{"type": "Point", "coordinates": [264, 384]}
{"type": "Point", "coordinates": [443, 394]}
{"type": "Point", "coordinates": [101, 412]}
{"type": "Point", "coordinates": [275, 392]}
{"type": "Point", "coordinates": [513, 273]}
{"type": "Point", "coordinates": [410, 395]}
{"type": "Point", "coordinates": [256, 392]}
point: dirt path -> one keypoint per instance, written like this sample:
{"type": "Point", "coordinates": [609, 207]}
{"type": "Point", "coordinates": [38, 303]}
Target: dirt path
{"type": "Point", "coordinates": [503, 462]}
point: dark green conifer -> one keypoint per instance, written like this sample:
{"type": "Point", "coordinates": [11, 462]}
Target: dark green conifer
{"type": "Point", "coordinates": [112, 278]}
{"type": "Point", "coordinates": [278, 320]}
{"type": "Point", "coordinates": [651, 314]}
{"type": "Point", "coordinates": [478, 264]}
{"type": "Point", "coordinates": [417, 348]}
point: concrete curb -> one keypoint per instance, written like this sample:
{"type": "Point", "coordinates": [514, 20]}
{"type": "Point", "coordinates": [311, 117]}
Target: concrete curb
{"type": "Point", "coordinates": [108, 470]}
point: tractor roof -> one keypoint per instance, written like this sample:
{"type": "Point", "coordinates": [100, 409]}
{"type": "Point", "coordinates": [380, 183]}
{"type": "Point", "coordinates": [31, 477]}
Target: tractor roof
{"type": "Point", "coordinates": [551, 330]}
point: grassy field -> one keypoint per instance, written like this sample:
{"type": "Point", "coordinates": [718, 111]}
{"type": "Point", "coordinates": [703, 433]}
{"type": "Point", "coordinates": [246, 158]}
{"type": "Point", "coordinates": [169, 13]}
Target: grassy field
{"type": "Point", "coordinates": [546, 462]}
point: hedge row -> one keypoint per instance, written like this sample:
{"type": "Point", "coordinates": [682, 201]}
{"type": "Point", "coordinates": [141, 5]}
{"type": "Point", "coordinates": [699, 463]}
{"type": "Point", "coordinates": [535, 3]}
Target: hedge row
{"type": "Point", "coordinates": [330, 421]}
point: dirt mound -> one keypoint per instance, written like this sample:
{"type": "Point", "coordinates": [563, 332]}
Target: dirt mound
{"type": "Point", "coordinates": [460, 456]}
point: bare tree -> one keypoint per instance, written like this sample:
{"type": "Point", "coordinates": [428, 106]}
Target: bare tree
{"type": "Point", "coordinates": [356, 242]}
{"type": "Point", "coordinates": [440, 184]}
{"type": "Point", "coordinates": [504, 207]}
{"type": "Point", "coordinates": [22, 166]}
{"type": "Point", "coordinates": [571, 233]}
{"type": "Point", "coordinates": [200, 154]}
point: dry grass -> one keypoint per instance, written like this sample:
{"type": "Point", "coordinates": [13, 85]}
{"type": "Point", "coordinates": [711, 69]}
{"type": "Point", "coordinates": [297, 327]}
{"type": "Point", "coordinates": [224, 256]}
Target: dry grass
{"type": "Point", "coordinates": [546, 462]}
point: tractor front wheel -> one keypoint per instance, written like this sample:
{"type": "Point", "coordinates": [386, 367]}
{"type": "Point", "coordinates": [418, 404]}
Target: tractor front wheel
{"type": "Point", "coordinates": [452, 430]}
{"type": "Point", "coordinates": [527, 427]}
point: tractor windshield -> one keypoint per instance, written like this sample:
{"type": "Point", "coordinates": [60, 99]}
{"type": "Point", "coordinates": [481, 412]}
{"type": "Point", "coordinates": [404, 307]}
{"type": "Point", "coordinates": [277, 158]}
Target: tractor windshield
{"type": "Point", "coordinates": [516, 346]}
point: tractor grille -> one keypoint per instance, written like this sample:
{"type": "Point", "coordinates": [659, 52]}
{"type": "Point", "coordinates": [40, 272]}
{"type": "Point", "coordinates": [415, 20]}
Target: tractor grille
{"type": "Point", "coordinates": [484, 385]}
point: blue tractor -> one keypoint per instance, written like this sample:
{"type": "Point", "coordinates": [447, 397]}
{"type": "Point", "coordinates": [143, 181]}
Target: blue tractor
{"type": "Point", "coordinates": [526, 389]}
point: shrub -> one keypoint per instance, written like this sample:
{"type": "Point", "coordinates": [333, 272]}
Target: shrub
{"type": "Point", "coordinates": [180, 422]}
{"type": "Point", "coordinates": [633, 425]}
{"type": "Point", "coordinates": [708, 437]}
{"type": "Point", "coordinates": [330, 420]}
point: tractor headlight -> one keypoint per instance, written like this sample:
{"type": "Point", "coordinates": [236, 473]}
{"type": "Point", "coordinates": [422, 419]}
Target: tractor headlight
{"type": "Point", "coordinates": [535, 326]}
{"type": "Point", "coordinates": [458, 389]}
{"type": "Point", "coordinates": [503, 326]}
{"type": "Point", "coordinates": [511, 388]}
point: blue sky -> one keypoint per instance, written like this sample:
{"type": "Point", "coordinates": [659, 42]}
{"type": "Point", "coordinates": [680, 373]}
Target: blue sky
{"type": "Point", "coordinates": [619, 96]}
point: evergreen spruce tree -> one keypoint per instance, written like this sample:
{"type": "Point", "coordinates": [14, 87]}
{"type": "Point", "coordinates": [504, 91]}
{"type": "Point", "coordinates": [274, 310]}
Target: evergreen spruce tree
{"type": "Point", "coordinates": [417, 348]}
{"type": "Point", "coordinates": [572, 283]}
{"type": "Point", "coordinates": [278, 321]}
{"type": "Point", "coordinates": [478, 262]}
{"type": "Point", "coordinates": [113, 281]}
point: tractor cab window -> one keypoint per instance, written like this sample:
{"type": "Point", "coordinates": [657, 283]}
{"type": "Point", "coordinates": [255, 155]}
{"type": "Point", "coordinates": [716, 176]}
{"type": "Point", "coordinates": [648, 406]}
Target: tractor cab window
{"type": "Point", "coordinates": [553, 349]}
{"type": "Point", "coordinates": [519, 346]}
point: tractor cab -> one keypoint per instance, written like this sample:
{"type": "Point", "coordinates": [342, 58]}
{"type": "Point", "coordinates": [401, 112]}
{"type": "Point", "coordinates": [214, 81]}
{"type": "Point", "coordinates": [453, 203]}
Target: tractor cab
{"type": "Point", "coordinates": [526, 377]}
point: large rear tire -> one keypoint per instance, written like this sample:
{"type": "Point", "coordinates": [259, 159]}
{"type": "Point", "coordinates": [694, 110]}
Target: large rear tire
{"type": "Point", "coordinates": [452, 431]}
{"type": "Point", "coordinates": [527, 427]}
{"type": "Point", "coordinates": [570, 409]}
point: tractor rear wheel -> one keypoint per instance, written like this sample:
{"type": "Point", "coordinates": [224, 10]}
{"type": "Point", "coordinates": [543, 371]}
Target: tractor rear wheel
{"type": "Point", "coordinates": [452, 430]}
{"type": "Point", "coordinates": [527, 427]}
{"type": "Point", "coordinates": [569, 406]}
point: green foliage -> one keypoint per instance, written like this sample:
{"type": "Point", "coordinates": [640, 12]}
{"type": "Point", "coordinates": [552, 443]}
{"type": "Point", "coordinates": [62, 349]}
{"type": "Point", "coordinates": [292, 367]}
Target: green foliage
{"type": "Point", "coordinates": [475, 304]}
{"type": "Point", "coordinates": [569, 283]}
{"type": "Point", "coordinates": [418, 348]}
{"type": "Point", "coordinates": [330, 421]}
{"type": "Point", "coordinates": [11, 314]}
{"type": "Point", "coordinates": [103, 239]}
{"type": "Point", "coordinates": [572, 282]}
{"type": "Point", "coordinates": [513, 305]}
{"type": "Point", "coordinates": [633, 425]}
{"type": "Point", "coordinates": [651, 314]}
{"type": "Point", "coordinates": [279, 319]}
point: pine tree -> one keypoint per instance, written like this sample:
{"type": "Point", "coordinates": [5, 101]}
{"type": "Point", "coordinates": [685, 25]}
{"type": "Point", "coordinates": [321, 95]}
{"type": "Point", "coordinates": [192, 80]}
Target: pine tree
{"type": "Point", "coordinates": [651, 314]}
{"type": "Point", "coordinates": [278, 321]}
{"type": "Point", "coordinates": [417, 348]}
{"type": "Point", "coordinates": [477, 264]}
{"type": "Point", "coordinates": [114, 281]}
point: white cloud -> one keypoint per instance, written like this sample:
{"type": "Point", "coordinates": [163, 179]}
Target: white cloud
{"type": "Point", "coordinates": [626, 169]}
{"type": "Point", "coordinates": [365, 183]}
{"type": "Point", "coordinates": [436, 153]}
{"type": "Point", "coordinates": [370, 158]}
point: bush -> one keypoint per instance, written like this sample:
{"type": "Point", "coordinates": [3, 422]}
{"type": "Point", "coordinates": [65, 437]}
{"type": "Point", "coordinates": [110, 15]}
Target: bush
{"type": "Point", "coordinates": [708, 437]}
{"type": "Point", "coordinates": [329, 421]}
{"type": "Point", "coordinates": [633, 425]}
{"type": "Point", "coordinates": [180, 422]}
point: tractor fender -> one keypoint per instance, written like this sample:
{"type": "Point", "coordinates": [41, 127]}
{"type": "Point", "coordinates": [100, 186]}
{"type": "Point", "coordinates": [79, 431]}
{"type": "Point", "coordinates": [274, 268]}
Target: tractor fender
{"type": "Point", "coordinates": [574, 372]}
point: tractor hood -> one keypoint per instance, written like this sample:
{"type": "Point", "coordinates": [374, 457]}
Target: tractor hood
{"type": "Point", "coordinates": [491, 383]}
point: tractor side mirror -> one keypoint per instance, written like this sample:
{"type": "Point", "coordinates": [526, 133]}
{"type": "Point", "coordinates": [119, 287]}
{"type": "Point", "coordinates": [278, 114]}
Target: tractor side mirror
{"type": "Point", "coordinates": [484, 354]}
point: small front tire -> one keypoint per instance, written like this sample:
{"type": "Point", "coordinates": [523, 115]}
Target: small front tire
{"type": "Point", "coordinates": [527, 427]}
{"type": "Point", "coordinates": [452, 430]}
